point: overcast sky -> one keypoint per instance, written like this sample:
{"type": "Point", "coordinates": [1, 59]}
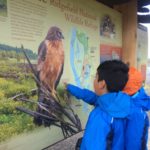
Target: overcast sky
{"type": "Point", "coordinates": [148, 26]}
{"type": "Point", "coordinates": [149, 41]}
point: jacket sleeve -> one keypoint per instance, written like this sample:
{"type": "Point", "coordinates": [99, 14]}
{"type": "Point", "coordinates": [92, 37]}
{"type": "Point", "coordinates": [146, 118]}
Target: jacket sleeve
{"type": "Point", "coordinates": [84, 94]}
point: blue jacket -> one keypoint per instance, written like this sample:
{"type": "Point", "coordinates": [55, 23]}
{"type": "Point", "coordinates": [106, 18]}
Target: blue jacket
{"type": "Point", "coordinates": [107, 120]}
{"type": "Point", "coordinates": [138, 122]}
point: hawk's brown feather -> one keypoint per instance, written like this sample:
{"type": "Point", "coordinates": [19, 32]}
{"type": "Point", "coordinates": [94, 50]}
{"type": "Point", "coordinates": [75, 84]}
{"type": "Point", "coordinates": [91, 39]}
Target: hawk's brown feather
{"type": "Point", "coordinates": [53, 64]}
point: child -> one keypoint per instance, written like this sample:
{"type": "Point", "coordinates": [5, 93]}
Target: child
{"type": "Point", "coordinates": [106, 123]}
{"type": "Point", "coordinates": [137, 124]}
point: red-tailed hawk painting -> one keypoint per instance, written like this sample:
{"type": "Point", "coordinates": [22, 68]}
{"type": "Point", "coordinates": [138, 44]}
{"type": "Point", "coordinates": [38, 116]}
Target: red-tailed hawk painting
{"type": "Point", "coordinates": [51, 59]}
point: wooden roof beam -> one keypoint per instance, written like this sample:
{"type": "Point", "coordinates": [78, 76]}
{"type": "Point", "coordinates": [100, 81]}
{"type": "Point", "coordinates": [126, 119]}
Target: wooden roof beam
{"type": "Point", "coordinates": [143, 10]}
{"type": "Point", "coordinates": [144, 18]}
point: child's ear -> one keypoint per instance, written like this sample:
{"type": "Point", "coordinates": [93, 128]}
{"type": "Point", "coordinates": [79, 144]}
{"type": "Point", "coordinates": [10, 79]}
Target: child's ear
{"type": "Point", "coordinates": [102, 84]}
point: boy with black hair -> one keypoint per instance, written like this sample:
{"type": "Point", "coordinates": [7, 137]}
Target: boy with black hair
{"type": "Point", "coordinates": [107, 121]}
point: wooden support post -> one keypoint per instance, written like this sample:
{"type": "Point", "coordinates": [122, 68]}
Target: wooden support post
{"type": "Point", "coordinates": [129, 14]}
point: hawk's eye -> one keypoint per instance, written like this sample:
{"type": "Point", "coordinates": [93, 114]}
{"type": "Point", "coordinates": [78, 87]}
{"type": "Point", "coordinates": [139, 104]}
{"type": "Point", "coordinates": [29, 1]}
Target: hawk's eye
{"type": "Point", "coordinates": [60, 36]}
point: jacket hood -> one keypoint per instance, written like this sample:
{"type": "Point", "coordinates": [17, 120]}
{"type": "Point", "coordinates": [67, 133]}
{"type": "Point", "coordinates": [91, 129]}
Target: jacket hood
{"type": "Point", "coordinates": [115, 104]}
{"type": "Point", "coordinates": [141, 99]}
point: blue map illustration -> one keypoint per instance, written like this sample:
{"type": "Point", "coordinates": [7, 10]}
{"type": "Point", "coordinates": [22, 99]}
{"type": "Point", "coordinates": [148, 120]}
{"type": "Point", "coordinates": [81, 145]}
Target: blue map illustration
{"type": "Point", "coordinates": [79, 59]}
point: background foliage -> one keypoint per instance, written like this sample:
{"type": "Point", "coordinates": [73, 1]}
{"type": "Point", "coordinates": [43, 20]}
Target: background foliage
{"type": "Point", "coordinates": [15, 78]}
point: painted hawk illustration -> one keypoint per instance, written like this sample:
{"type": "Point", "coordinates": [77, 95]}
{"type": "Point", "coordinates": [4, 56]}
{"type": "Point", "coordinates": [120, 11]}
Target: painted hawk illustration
{"type": "Point", "coordinates": [51, 59]}
{"type": "Point", "coordinates": [49, 67]}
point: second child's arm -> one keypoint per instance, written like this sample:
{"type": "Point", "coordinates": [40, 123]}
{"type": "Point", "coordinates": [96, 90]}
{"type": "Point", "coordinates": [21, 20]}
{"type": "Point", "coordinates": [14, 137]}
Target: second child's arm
{"type": "Point", "coordinates": [84, 94]}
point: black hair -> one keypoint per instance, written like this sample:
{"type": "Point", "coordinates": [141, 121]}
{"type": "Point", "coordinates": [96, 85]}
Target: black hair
{"type": "Point", "coordinates": [115, 74]}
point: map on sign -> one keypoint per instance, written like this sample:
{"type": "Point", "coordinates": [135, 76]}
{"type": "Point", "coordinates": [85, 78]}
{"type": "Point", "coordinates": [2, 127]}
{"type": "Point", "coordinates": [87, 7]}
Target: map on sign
{"type": "Point", "coordinates": [79, 58]}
